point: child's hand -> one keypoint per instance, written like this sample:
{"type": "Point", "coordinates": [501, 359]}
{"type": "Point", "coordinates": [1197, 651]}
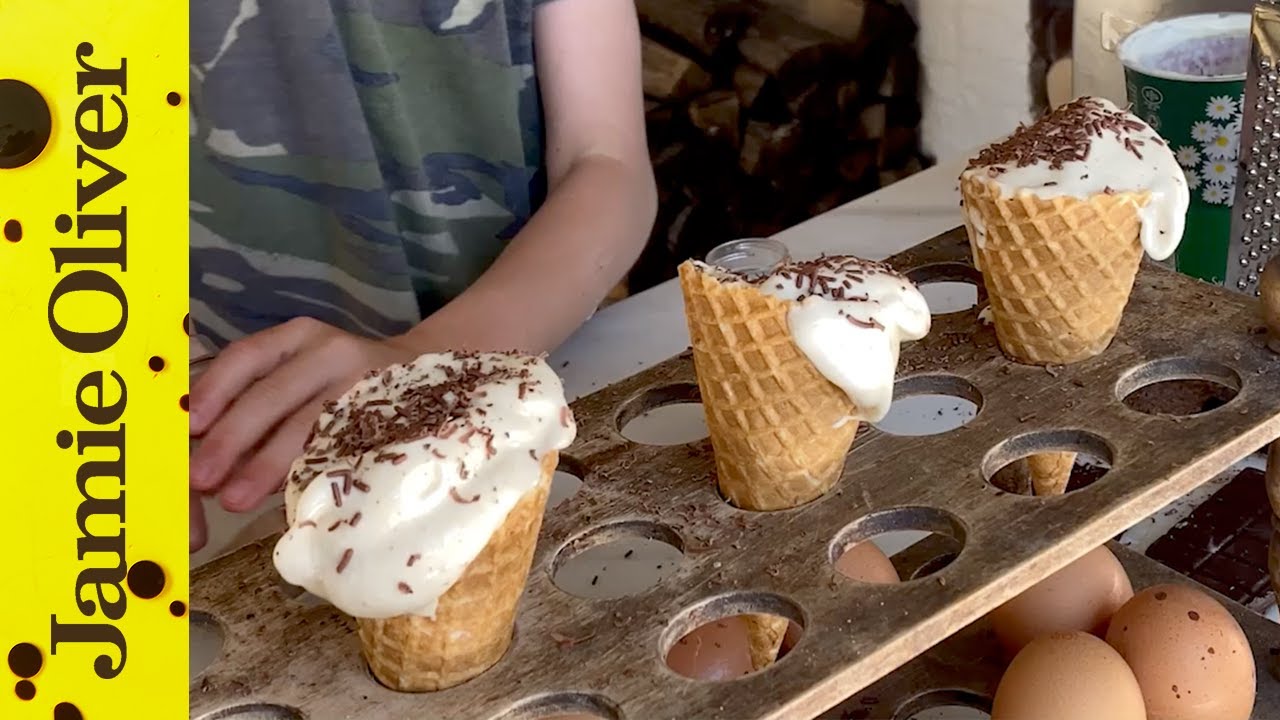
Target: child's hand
{"type": "Point", "coordinates": [255, 405]}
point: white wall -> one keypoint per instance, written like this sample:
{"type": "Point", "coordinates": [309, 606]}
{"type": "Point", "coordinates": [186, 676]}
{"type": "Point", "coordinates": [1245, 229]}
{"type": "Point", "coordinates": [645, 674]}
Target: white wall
{"type": "Point", "coordinates": [976, 55]}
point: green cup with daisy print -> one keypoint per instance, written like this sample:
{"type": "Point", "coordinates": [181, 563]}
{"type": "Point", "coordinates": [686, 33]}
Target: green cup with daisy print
{"type": "Point", "coordinates": [1185, 77]}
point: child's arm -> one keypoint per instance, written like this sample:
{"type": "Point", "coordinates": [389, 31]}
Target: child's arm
{"type": "Point", "coordinates": [255, 405]}
{"type": "Point", "coordinates": [601, 203]}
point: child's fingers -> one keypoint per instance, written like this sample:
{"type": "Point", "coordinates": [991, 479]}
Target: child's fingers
{"type": "Point", "coordinates": [243, 362]}
{"type": "Point", "coordinates": [250, 419]}
{"type": "Point", "coordinates": [265, 472]}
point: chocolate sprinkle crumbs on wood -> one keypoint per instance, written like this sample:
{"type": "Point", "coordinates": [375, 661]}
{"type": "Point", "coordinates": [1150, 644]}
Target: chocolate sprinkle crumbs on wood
{"type": "Point", "coordinates": [1061, 136]}
{"type": "Point", "coordinates": [346, 558]}
{"type": "Point", "coordinates": [453, 493]}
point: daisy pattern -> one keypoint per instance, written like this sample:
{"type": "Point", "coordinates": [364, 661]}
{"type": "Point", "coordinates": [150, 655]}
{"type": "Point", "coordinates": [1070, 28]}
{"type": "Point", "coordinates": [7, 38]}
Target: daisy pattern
{"type": "Point", "coordinates": [1193, 179]}
{"type": "Point", "coordinates": [1188, 156]}
{"type": "Point", "coordinates": [1219, 172]}
{"type": "Point", "coordinates": [1204, 131]}
{"type": "Point", "coordinates": [1215, 195]}
{"type": "Point", "coordinates": [1223, 146]}
{"type": "Point", "coordinates": [1222, 107]}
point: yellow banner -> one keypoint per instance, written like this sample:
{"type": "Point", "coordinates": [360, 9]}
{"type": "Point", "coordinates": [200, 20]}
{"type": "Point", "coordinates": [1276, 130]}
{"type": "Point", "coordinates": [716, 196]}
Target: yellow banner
{"type": "Point", "coordinates": [93, 281]}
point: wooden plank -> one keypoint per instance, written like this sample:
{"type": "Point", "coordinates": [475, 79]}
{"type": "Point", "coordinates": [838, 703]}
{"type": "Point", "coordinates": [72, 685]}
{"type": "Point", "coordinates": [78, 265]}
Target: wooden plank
{"type": "Point", "coordinates": [707, 26]}
{"type": "Point", "coordinates": [846, 19]}
{"type": "Point", "coordinates": [668, 75]}
{"type": "Point", "coordinates": [716, 115]}
{"type": "Point", "coordinates": [278, 651]}
{"type": "Point", "coordinates": [967, 667]}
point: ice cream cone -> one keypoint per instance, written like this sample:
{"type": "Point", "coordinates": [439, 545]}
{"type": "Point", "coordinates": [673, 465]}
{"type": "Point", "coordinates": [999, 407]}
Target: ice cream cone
{"type": "Point", "coordinates": [1050, 472]}
{"type": "Point", "coordinates": [780, 430]}
{"type": "Point", "coordinates": [1058, 271]}
{"type": "Point", "coordinates": [474, 619]}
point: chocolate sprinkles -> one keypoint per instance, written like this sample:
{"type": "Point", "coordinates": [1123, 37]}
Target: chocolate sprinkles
{"type": "Point", "coordinates": [453, 493]}
{"type": "Point", "coordinates": [346, 558]}
{"type": "Point", "coordinates": [1061, 136]}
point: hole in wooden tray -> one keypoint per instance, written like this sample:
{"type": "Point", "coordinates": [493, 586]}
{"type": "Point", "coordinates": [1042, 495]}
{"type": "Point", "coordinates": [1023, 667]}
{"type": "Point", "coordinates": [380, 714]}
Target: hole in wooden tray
{"type": "Point", "coordinates": [731, 636]}
{"type": "Point", "coordinates": [1009, 466]}
{"type": "Point", "coordinates": [617, 560]}
{"type": "Point", "coordinates": [566, 482]}
{"type": "Point", "coordinates": [931, 405]}
{"type": "Point", "coordinates": [564, 706]}
{"type": "Point", "coordinates": [948, 287]}
{"type": "Point", "coordinates": [667, 415]}
{"type": "Point", "coordinates": [256, 711]}
{"type": "Point", "coordinates": [205, 642]}
{"type": "Point", "coordinates": [906, 543]}
{"type": "Point", "coordinates": [1178, 386]}
{"type": "Point", "coordinates": [945, 705]}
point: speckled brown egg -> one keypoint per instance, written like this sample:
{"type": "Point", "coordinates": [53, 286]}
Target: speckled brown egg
{"type": "Point", "coordinates": [1068, 676]}
{"type": "Point", "coordinates": [1189, 654]}
{"type": "Point", "coordinates": [718, 650]}
{"type": "Point", "coordinates": [1081, 596]}
{"type": "Point", "coordinates": [866, 562]}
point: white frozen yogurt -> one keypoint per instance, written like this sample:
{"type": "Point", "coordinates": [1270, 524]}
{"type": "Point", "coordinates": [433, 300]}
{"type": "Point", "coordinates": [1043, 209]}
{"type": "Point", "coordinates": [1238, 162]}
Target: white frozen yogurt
{"type": "Point", "coordinates": [849, 317]}
{"type": "Point", "coordinates": [1085, 148]}
{"type": "Point", "coordinates": [409, 474]}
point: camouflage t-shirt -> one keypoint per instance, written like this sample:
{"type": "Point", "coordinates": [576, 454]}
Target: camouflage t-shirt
{"type": "Point", "coordinates": [356, 161]}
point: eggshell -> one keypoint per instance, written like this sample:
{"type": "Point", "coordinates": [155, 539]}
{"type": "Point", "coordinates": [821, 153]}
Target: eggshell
{"type": "Point", "coordinates": [865, 562]}
{"type": "Point", "coordinates": [1081, 596]}
{"type": "Point", "coordinates": [1189, 654]}
{"type": "Point", "coordinates": [719, 650]}
{"type": "Point", "coordinates": [1068, 676]}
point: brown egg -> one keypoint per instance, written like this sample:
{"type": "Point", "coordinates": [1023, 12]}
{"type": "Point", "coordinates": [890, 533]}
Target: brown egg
{"type": "Point", "coordinates": [1081, 596]}
{"type": "Point", "coordinates": [1068, 676]}
{"type": "Point", "coordinates": [1189, 654]}
{"type": "Point", "coordinates": [865, 562]}
{"type": "Point", "coordinates": [718, 650]}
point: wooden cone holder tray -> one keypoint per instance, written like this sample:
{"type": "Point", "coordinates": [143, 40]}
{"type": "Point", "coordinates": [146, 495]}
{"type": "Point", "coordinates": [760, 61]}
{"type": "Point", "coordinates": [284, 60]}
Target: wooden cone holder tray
{"type": "Point", "coordinates": [287, 660]}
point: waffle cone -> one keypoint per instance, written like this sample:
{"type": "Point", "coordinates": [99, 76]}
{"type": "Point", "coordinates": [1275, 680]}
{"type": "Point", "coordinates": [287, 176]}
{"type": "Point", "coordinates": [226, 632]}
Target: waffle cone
{"type": "Point", "coordinates": [1050, 472]}
{"type": "Point", "coordinates": [779, 429]}
{"type": "Point", "coordinates": [1058, 271]}
{"type": "Point", "coordinates": [474, 619]}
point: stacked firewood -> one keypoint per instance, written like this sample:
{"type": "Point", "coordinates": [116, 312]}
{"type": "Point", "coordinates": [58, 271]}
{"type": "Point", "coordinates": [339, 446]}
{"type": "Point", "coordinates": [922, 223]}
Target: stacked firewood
{"type": "Point", "coordinates": [763, 113]}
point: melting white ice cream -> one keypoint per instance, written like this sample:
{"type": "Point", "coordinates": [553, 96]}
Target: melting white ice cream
{"type": "Point", "coordinates": [1086, 148]}
{"type": "Point", "coordinates": [410, 473]}
{"type": "Point", "coordinates": [849, 317]}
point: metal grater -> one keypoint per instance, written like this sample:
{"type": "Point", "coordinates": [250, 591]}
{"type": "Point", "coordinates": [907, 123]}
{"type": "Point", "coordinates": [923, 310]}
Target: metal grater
{"type": "Point", "coordinates": [1255, 226]}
